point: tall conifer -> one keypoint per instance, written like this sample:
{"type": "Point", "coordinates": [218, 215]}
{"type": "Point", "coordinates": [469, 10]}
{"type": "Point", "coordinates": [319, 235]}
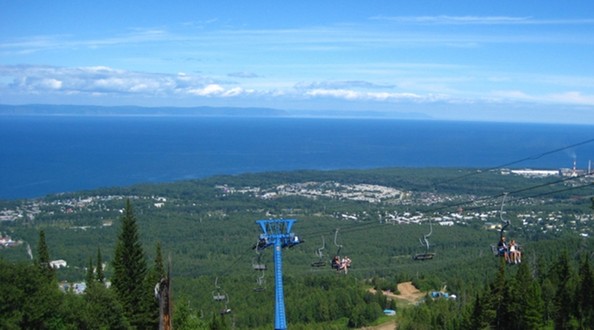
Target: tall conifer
{"type": "Point", "coordinates": [99, 276]}
{"type": "Point", "coordinates": [498, 297]}
{"type": "Point", "coordinates": [155, 275]}
{"type": "Point", "coordinates": [43, 259]}
{"type": "Point", "coordinates": [130, 269]}
{"type": "Point", "coordinates": [585, 293]}
{"type": "Point", "coordinates": [527, 304]}
{"type": "Point", "coordinates": [90, 278]}
{"type": "Point", "coordinates": [563, 295]}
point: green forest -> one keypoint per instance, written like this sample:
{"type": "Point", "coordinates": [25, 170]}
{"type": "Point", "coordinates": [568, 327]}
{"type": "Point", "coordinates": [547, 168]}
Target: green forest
{"type": "Point", "coordinates": [121, 241]}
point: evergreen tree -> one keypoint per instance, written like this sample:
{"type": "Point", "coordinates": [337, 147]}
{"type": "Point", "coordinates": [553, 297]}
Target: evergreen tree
{"type": "Point", "coordinates": [481, 315]}
{"type": "Point", "coordinates": [27, 299]}
{"type": "Point", "coordinates": [526, 301]}
{"type": "Point", "coordinates": [129, 271]}
{"type": "Point", "coordinates": [158, 267]}
{"type": "Point", "coordinates": [499, 297]}
{"type": "Point", "coordinates": [100, 276]}
{"type": "Point", "coordinates": [90, 278]}
{"type": "Point", "coordinates": [153, 278]}
{"type": "Point", "coordinates": [585, 292]}
{"type": "Point", "coordinates": [185, 318]}
{"type": "Point", "coordinates": [563, 295]}
{"type": "Point", "coordinates": [104, 310]}
{"type": "Point", "coordinates": [43, 258]}
{"type": "Point", "coordinates": [217, 323]}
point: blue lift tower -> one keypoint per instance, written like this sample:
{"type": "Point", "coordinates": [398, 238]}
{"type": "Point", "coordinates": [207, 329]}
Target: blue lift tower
{"type": "Point", "coordinates": [278, 233]}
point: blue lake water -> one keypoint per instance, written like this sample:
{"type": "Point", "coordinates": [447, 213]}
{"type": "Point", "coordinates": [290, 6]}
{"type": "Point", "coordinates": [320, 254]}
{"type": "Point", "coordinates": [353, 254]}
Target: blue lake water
{"type": "Point", "coordinates": [40, 155]}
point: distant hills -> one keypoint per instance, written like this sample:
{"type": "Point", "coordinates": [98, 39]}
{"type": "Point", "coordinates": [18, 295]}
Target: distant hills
{"type": "Point", "coordinates": [94, 110]}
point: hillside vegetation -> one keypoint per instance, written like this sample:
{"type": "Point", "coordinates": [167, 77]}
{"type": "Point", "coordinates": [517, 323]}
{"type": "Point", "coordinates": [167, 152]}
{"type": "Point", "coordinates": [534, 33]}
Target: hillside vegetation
{"type": "Point", "coordinates": [377, 217]}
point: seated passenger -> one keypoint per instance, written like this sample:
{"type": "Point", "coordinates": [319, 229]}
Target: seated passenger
{"type": "Point", "coordinates": [515, 255]}
{"type": "Point", "coordinates": [345, 264]}
{"type": "Point", "coordinates": [336, 262]}
{"type": "Point", "coordinates": [502, 249]}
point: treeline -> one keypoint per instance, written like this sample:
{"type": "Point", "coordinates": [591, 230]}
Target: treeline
{"type": "Point", "coordinates": [527, 296]}
{"type": "Point", "coordinates": [31, 298]}
{"type": "Point", "coordinates": [209, 235]}
{"type": "Point", "coordinates": [558, 296]}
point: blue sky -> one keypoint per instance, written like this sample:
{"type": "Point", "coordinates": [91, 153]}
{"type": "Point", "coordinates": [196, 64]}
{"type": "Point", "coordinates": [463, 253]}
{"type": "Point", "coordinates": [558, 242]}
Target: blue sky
{"type": "Point", "coordinates": [471, 60]}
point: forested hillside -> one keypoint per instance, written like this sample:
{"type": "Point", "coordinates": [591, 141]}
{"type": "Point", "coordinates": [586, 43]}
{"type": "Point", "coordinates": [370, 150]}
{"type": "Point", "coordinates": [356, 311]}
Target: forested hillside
{"type": "Point", "coordinates": [376, 217]}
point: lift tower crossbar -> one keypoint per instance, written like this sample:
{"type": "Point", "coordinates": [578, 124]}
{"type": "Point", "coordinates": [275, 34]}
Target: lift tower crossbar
{"type": "Point", "coordinates": [278, 233]}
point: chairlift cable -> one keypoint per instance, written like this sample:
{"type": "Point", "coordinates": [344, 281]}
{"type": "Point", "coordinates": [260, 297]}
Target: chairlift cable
{"type": "Point", "coordinates": [533, 157]}
{"type": "Point", "coordinates": [357, 227]}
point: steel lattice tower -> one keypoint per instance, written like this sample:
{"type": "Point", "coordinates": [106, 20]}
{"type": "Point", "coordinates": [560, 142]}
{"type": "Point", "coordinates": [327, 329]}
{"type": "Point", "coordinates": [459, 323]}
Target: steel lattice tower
{"type": "Point", "coordinates": [278, 233]}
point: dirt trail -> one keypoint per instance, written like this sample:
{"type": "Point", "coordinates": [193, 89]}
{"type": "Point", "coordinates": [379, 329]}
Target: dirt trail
{"type": "Point", "coordinates": [386, 326]}
{"type": "Point", "coordinates": [408, 294]}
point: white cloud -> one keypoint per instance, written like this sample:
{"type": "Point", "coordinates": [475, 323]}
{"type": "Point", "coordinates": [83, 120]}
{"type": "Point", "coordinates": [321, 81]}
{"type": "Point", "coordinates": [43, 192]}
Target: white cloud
{"type": "Point", "coordinates": [353, 95]}
{"type": "Point", "coordinates": [444, 19]}
{"type": "Point", "coordinates": [338, 93]}
{"type": "Point", "coordinates": [342, 84]}
{"type": "Point", "coordinates": [243, 74]}
{"type": "Point", "coordinates": [208, 90]}
{"type": "Point", "coordinates": [481, 20]}
{"type": "Point", "coordinates": [237, 91]}
{"type": "Point", "coordinates": [52, 83]}
{"type": "Point", "coordinates": [568, 98]}
{"type": "Point", "coordinates": [573, 98]}
{"type": "Point", "coordinates": [105, 82]}
{"type": "Point", "coordinates": [508, 95]}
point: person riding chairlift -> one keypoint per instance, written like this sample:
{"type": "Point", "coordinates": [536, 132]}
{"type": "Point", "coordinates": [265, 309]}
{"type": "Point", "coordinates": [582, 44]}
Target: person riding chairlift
{"type": "Point", "coordinates": [515, 255]}
{"type": "Point", "coordinates": [341, 264]}
{"type": "Point", "coordinates": [345, 264]}
{"type": "Point", "coordinates": [503, 249]}
{"type": "Point", "coordinates": [336, 264]}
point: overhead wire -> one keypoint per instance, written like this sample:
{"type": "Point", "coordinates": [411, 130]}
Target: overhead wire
{"type": "Point", "coordinates": [533, 157]}
{"type": "Point", "coordinates": [514, 192]}
{"type": "Point", "coordinates": [497, 196]}
{"type": "Point", "coordinates": [357, 226]}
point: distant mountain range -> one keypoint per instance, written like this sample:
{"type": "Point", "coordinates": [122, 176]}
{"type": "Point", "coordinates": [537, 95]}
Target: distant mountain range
{"type": "Point", "coordinates": [94, 110]}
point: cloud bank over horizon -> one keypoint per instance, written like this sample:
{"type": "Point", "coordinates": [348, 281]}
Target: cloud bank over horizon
{"type": "Point", "coordinates": [451, 64]}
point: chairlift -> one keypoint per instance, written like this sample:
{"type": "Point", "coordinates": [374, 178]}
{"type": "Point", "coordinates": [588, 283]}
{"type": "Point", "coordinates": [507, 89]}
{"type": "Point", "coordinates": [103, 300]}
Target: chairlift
{"type": "Point", "coordinates": [336, 259]}
{"type": "Point", "coordinates": [338, 263]}
{"type": "Point", "coordinates": [260, 283]}
{"type": "Point", "coordinates": [495, 248]}
{"type": "Point", "coordinates": [320, 262]}
{"type": "Point", "coordinates": [217, 293]}
{"type": "Point", "coordinates": [261, 244]}
{"type": "Point", "coordinates": [257, 264]}
{"type": "Point", "coordinates": [220, 296]}
{"type": "Point", "coordinates": [425, 242]}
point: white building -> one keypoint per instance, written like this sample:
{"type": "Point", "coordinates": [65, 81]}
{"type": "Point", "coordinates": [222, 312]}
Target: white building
{"type": "Point", "coordinates": [58, 263]}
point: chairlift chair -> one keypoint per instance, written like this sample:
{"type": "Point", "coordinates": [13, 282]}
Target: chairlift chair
{"type": "Point", "coordinates": [337, 262]}
{"type": "Point", "coordinates": [505, 223]}
{"type": "Point", "coordinates": [257, 264]}
{"type": "Point", "coordinates": [217, 294]}
{"type": "Point", "coordinates": [320, 262]}
{"type": "Point", "coordinates": [425, 242]}
{"type": "Point", "coordinates": [260, 283]}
